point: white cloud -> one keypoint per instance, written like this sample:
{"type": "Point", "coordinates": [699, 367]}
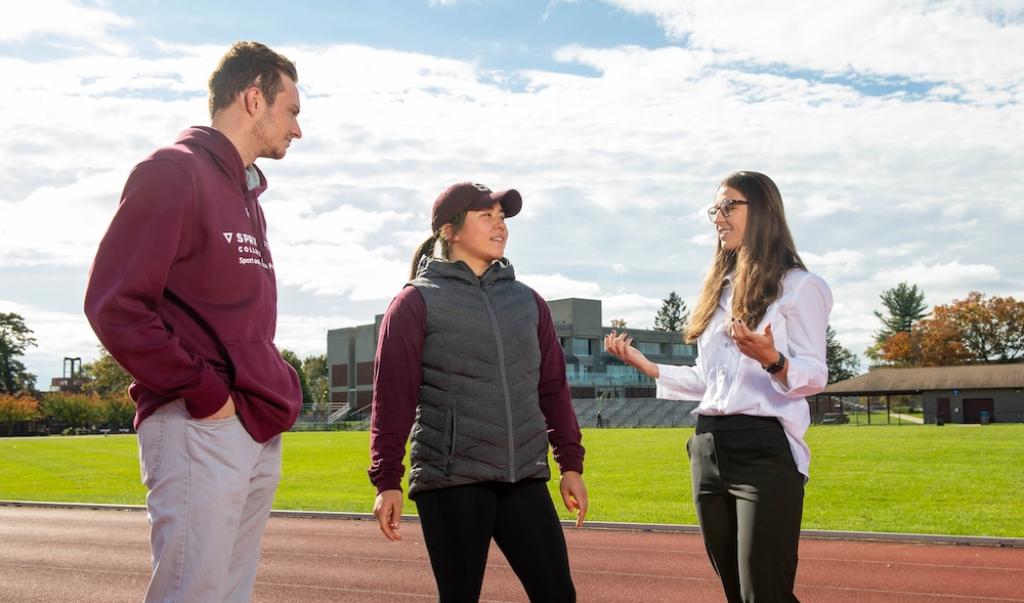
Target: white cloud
{"type": "Point", "coordinates": [833, 263]}
{"type": "Point", "coordinates": [704, 240]}
{"type": "Point", "coordinates": [66, 21]}
{"type": "Point", "coordinates": [978, 46]}
{"type": "Point", "coordinates": [901, 250]}
{"type": "Point", "coordinates": [853, 318]}
{"type": "Point", "coordinates": [552, 4]}
{"type": "Point", "coordinates": [637, 310]}
{"type": "Point", "coordinates": [558, 286]}
{"type": "Point", "coordinates": [819, 206]}
{"type": "Point", "coordinates": [305, 334]}
{"type": "Point", "coordinates": [59, 225]}
{"type": "Point", "coordinates": [942, 282]}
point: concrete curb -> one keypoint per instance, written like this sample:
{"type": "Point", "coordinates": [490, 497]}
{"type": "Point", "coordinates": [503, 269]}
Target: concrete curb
{"type": "Point", "coordinates": [892, 537]}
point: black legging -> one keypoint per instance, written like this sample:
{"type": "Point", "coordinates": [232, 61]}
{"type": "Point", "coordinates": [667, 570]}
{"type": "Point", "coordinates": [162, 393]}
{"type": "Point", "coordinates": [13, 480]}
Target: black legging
{"type": "Point", "coordinates": [749, 498]}
{"type": "Point", "coordinates": [459, 522]}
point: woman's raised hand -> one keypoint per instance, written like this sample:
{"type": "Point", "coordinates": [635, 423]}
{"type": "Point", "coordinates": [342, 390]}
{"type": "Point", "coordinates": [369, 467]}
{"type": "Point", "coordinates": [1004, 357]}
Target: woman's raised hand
{"type": "Point", "coordinates": [618, 345]}
{"type": "Point", "coordinates": [759, 346]}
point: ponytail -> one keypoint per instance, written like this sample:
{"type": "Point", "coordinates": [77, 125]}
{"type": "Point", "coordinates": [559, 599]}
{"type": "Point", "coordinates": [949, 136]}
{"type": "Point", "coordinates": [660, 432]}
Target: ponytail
{"type": "Point", "coordinates": [425, 249]}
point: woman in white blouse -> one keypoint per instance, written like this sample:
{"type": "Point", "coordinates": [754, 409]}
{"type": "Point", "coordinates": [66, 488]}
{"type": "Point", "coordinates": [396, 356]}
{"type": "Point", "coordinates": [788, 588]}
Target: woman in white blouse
{"type": "Point", "coordinates": [760, 327]}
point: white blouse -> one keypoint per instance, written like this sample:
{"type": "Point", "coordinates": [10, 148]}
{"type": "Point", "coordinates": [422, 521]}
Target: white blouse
{"type": "Point", "coordinates": [727, 382]}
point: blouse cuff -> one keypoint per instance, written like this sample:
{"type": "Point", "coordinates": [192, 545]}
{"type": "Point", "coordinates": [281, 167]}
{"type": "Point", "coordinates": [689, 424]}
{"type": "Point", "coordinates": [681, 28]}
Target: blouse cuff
{"type": "Point", "coordinates": [800, 380]}
{"type": "Point", "coordinates": [678, 383]}
{"type": "Point", "coordinates": [664, 390]}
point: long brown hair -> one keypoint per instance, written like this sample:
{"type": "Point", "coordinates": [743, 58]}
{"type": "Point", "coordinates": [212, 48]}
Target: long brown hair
{"type": "Point", "coordinates": [426, 248]}
{"type": "Point", "coordinates": [757, 265]}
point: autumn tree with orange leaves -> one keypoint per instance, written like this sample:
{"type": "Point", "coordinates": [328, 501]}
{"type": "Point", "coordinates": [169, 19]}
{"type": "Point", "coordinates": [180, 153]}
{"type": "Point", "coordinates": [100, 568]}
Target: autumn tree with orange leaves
{"type": "Point", "coordinates": [973, 330]}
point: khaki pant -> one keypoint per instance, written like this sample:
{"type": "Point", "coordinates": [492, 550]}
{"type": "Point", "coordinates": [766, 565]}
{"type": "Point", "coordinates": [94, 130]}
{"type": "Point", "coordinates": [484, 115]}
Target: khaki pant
{"type": "Point", "coordinates": [211, 487]}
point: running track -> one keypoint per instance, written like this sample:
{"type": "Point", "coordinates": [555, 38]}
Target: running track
{"type": "Point", "coordinates": [65, 555]}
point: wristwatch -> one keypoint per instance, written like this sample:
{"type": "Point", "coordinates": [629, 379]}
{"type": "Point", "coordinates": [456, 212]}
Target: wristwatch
{"type": "Point", "coordinates": [776, 366]}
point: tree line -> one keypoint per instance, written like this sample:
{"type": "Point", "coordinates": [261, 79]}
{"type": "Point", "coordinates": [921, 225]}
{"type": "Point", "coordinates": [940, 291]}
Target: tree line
{"type": "Point", "coordinates": [978, 329]}
{"type": "Point", "coordinates": [103, 402]}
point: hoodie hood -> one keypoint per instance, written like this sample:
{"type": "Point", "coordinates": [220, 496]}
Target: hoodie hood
{"type": "Point", "coordinates": [224, 155]}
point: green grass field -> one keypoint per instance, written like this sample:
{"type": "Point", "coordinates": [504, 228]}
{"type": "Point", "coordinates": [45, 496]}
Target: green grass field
{"type": "Point", "coordinates": [950, 480]}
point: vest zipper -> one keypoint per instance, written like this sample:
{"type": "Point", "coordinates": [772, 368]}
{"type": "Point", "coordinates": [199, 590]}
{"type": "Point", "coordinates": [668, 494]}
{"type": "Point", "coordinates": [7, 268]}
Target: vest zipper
{"type": "Point", "coordinates": [504, 387]}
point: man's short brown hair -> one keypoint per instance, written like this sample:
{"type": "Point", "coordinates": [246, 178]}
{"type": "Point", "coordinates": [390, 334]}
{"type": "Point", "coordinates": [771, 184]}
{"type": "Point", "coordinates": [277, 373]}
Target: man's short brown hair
{"type": "Point", "coordinates": [248, 64]}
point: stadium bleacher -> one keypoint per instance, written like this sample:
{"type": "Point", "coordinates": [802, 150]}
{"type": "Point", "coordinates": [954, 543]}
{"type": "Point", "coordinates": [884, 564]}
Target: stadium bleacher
{"type": "Point", "coordinates": [634, 412]}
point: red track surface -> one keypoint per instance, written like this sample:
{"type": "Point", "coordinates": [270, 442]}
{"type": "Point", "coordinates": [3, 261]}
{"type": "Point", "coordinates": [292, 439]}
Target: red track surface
{"type": "Point", "coordinates": [87, 555]}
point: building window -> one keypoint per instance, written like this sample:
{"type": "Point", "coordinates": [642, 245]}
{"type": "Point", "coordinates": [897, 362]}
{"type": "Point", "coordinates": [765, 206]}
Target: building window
{"type": "Point", "coordinates": [339, 375]}
{"type": "Point", "coordinates": [621, 371]}
{"type": "Point", "coordinates": [684, 349]}
{"type": "Point", "coordinates": [581, 347]}
{"type": "Point", "coordinates": [649, 347]}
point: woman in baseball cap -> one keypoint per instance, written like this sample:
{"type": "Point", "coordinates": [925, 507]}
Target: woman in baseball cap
{"type": "Point", "coordinates": [469, 362]}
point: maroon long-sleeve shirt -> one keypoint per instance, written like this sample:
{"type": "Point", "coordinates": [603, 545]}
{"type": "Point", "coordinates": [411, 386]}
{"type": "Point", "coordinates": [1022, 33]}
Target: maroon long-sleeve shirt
{"type": "Point", "coordinates": [398, 376]}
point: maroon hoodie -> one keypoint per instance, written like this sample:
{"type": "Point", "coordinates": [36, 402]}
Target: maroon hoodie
{"type": "Point", "coordinates": [182, 291]}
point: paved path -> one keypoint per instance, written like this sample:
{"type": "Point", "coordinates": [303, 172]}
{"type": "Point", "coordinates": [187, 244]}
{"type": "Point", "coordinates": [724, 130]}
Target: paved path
{"type": "Point", "coordinates": [909, 418]}
{"type": "Point", "coordinates": [79, 555]}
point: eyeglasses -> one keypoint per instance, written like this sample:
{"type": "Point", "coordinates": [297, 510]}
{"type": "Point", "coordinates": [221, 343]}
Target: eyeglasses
{"type": "Point", "coordinates": [726, 207]}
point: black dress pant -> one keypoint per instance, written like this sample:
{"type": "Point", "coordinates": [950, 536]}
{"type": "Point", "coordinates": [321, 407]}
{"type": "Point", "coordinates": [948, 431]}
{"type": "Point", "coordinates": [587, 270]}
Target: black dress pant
{"type": "Point", "coordinates": [749, 498]}
{"type": "Point", "coordinates": [459, 522]}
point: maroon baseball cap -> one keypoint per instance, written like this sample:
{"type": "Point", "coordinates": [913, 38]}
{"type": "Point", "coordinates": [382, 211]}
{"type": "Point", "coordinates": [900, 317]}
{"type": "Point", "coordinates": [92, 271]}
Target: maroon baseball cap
{"type": "Point", "coordinates": [472, 195]}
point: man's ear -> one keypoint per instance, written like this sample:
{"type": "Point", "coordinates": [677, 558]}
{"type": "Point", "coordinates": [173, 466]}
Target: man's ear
{"type": "Point", "coordinates": [252, 98]}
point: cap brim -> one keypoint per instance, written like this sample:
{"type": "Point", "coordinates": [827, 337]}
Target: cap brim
{"type": "Point", "coordinates": [511, 202]}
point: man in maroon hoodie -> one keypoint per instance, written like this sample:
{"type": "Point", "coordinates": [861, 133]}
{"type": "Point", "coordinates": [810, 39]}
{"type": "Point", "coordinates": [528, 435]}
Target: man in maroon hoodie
{"type": "Point", "coordinates": [183, 295]}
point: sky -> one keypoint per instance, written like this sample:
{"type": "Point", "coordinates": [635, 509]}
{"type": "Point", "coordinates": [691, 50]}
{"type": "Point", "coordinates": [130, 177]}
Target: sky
{"type": "Point", "coordinates": [893, 129]}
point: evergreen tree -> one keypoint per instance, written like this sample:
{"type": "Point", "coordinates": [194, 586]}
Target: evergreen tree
{"type": "Point", "coordinates": [842, 363]}
{"type": "Point", "coordinates": [903, 306]}
{"type": "Point", "coordinates": [673, 314]}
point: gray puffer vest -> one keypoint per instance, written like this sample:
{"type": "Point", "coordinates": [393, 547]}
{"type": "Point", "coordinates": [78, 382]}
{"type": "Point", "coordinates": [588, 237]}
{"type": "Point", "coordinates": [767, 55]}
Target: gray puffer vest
{"type": "Point", "coordinates": [478, 417]}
